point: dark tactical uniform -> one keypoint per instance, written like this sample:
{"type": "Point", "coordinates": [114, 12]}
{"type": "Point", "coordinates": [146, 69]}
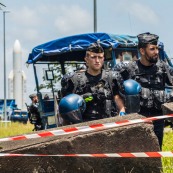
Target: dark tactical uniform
{"type": "Point", "coordinates": [34, 115]}
{"type": "Point", "coordinates": [101, 87]}
{"type": "Point", "coordinates": [152, 79]}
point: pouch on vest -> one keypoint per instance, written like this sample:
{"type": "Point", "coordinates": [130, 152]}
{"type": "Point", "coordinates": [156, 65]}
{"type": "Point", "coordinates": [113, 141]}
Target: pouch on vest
{"type": "Point", "coordinates": [160, 97]}
{"type": "Point", "coordinates": [33, 118]}
{"type": "Point", "coordinates": [146, 98]}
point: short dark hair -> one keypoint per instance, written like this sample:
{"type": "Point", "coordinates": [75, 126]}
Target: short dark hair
{"type": "Point", "coordinates": [95, 47]}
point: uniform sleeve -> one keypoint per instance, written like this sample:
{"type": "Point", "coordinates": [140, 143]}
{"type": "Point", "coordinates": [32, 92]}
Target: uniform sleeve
{"type": "Point", "coordinates": [122, 68]}
{"type": "Point", "coordinates": [170, 75]}
{"type": "Point", "coordinates": [67, 85]}
{"type": "Point", "coordinates": [33, 109]}
{"type": "Point", "coordinates": [171, 71]}
{"type": "Point", "coordinates": [117, 82]}
{"type": "Point", "coordinates": [115, 87]}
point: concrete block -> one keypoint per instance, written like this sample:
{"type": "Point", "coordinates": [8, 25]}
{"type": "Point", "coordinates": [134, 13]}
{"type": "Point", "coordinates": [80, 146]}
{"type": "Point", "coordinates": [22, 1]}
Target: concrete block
{"type": "Point", "coordinates": [133, 138]}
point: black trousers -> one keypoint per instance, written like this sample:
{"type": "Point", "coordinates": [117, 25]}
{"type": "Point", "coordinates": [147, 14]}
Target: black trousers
{"type": "Point", "coordinates": [158, 129]}
{"type": "Point", "coordinates": [158, 124]}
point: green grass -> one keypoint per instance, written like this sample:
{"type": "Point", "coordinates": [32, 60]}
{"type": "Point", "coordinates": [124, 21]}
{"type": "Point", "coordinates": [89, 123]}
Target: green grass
{"type": "Point", "coordinates": [12, 129]}
{"type": "Point", "coordinates": [167, 163]}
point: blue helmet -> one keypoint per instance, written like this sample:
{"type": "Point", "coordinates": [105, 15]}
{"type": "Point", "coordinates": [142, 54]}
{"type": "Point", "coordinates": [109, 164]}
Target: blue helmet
{"type": "Point", "coordinates": [71, 108]}
{"type": "Point", "coordinates": [132, 96]}
{"type": "Point", "coordinates": [131, 87]}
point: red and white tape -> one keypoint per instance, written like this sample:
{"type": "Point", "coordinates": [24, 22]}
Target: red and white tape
{"type": "Point", "coordinates": [123, 155]}
{"type": "Point", "coordinates": [84, 129]}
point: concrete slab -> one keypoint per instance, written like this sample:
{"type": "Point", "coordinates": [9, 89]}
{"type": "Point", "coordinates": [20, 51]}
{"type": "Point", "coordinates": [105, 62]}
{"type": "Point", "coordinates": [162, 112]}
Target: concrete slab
{"type": "Point", "coordinates": [133, 138]}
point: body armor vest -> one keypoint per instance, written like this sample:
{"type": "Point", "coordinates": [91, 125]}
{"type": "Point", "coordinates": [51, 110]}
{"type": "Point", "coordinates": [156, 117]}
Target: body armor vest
{"type": "Point", "coordinates": [152, 81]}
{"type": "Point", "coordinates": [34, 115]}
{"type": "Point", "coordinates": [102, 105]}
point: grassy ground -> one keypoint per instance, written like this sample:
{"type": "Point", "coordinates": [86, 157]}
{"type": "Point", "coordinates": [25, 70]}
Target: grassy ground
{"type": "Point", "coordinates": [12, 129]}
{"type": "Point", "coordinates": [167, 163]}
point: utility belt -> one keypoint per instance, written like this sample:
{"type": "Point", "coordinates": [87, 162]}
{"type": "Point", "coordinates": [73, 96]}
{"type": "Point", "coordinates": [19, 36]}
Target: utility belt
{"type": "Point", "coordinates": [153, 98]}
{"type": "Point", "coordinates": [33, 118]}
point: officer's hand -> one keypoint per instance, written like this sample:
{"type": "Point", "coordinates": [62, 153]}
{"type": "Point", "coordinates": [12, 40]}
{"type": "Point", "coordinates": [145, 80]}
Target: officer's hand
{"type": "Point", "coordinates": [87, 97]}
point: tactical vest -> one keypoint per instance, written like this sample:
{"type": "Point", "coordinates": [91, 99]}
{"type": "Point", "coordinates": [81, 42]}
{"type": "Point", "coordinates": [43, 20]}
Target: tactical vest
{"type": "Point", "coordinates": [152, 81]}
{"type": "Point", "coordinates": [102, 105]}
{"type": "Point", "coordinates": [34, 115]}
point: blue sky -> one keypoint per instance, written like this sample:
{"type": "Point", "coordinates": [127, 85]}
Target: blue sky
{"type": "Point", "coordinates": [34, 22]}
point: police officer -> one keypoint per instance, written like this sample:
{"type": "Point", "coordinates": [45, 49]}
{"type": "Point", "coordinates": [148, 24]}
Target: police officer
{"type": "Point", "coordinates": [98, 87]}
{"type": "Point", "coordinates": [33, 113]}
{"type": "Point", "coordinates": [152, 74]}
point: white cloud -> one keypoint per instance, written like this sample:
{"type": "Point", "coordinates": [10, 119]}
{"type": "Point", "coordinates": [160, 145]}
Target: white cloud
{"type": "Point", "coordinates": [31, 34]}
{"type": "Point", "coordinates": [141, 11]}
{"type": "Point", "coordinates": [25, 23]}
{"type": "Point", "coordinates": [73, 19]}
{"type": "Point", "coordinates": [144, 13]}
{"type": "Point", "coordinates": [46, 22]}
{"type": "Point", "coordinates": [25, 16]}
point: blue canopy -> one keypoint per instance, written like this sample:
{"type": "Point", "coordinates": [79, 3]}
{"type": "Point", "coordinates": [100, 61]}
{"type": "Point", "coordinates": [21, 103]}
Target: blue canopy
{"type": "Point", "coordinates": [73, 48]}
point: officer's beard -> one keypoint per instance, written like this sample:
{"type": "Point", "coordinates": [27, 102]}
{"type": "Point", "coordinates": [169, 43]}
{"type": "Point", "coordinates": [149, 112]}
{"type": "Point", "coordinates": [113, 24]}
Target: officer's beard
{"type": "Point", "coordinates": [151, 59]}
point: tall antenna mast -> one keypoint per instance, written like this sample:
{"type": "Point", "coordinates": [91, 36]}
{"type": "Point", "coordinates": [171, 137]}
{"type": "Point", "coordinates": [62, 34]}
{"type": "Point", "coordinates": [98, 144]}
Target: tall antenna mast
{"type": "Point", "coordinates": [95, 15]}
